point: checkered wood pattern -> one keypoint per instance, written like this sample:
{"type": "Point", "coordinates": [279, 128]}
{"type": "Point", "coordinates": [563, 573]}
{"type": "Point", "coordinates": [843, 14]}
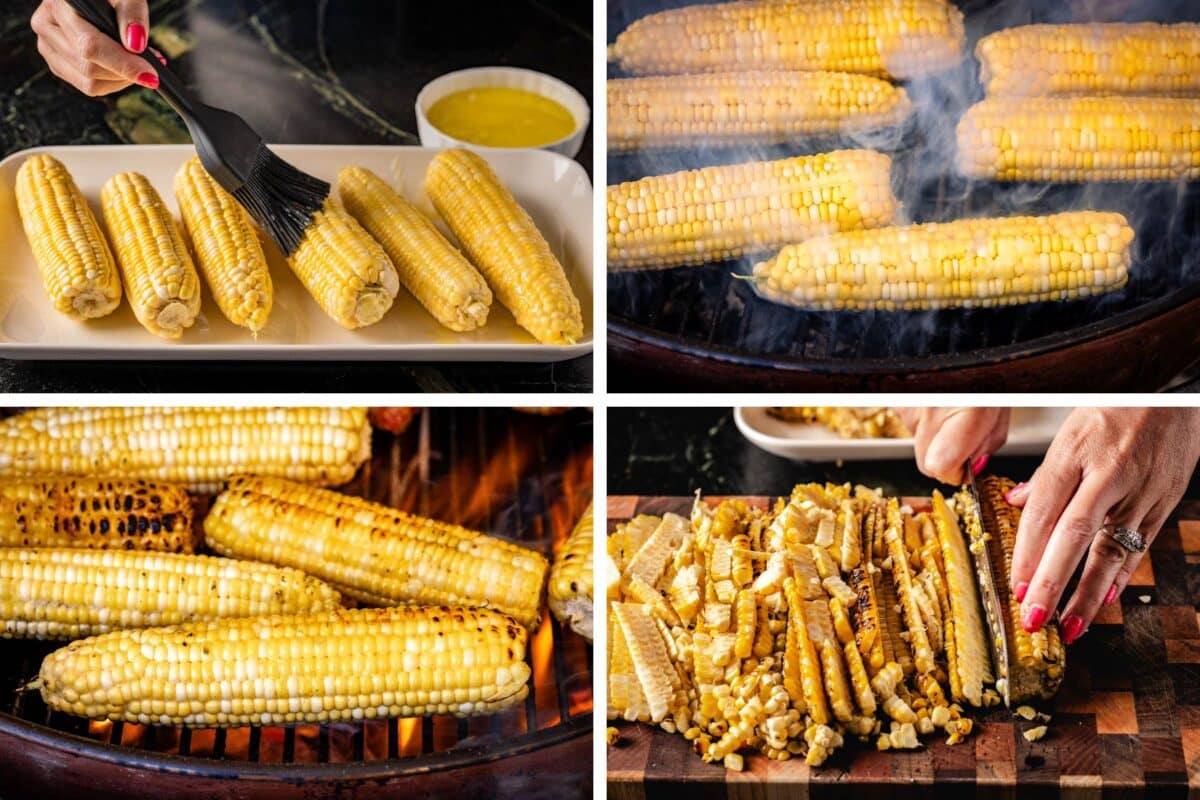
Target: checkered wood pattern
{"type": "Point", "coordinates": [1126, 722]}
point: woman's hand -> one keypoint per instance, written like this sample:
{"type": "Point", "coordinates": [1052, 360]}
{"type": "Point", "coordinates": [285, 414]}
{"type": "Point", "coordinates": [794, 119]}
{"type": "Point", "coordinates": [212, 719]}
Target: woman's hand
{"type": "Point", "coordinates": [86, 58]}
{"type": "Point", "coordinates": [947, 438]}
{"type": "Point", "coordinates": [1126, 467]}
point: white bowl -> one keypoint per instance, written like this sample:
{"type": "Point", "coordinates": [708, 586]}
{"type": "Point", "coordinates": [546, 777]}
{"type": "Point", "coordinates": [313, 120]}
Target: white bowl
{"type": "Point", "coordinates": [508, 78]}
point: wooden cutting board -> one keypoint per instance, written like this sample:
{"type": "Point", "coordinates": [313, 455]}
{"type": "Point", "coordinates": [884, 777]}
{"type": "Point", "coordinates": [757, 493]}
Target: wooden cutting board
{"type": "Point", "coordinates": [1126, 722]}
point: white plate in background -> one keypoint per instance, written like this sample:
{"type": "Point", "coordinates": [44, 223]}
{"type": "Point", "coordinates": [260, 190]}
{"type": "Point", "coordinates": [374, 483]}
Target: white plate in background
{"type": "Point", "coordinates": [554, 189]}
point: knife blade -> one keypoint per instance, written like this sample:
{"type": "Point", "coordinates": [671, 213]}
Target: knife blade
{"type": "Point", "coordinates": [981, 546]}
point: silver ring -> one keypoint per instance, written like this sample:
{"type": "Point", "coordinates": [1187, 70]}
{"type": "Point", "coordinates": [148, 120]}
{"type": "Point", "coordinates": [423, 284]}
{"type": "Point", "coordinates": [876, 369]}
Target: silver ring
{"type": "Point", "coordinates": [1128, 538]}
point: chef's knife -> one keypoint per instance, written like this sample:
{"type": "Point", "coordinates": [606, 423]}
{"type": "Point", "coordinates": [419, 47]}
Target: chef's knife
{"type": "Point", "coordinates": [980, 547]}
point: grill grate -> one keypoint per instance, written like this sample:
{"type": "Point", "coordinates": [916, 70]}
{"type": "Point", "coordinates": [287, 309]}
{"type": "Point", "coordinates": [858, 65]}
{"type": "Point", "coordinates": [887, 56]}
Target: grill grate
{"type": "Point", "coordinates": [522, 477]}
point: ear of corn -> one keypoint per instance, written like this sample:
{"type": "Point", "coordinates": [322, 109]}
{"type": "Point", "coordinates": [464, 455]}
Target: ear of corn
{"type": "Point", "coordinates": [886, 38]}
{"type": "Point", "coordinates": [501, 239]}
{"type": "Point", "coordinates": [412, 559]}
{"type": "Point", "coordinates": [358, 664]}
{"type": "Point", "coordinates": [199, 448]}
{"type": "Point", "coordinates": [570, 587]}
{"type": "Point", "coordinates": [743, 108]}
{"type": "Point", "coordinates": [48, 593]}
{"type": "Point", "coordinates": [95, 513]}
{"type": "Point", "coordinates": [726, 212]}
{"type": "Point", "coordinates": [1143, 58]}
{"type": "Point", "coordinates": [969, 263]}
{"type": "Point", "coordinates": [1073, 139]}
{"type": "Point", "coordinates": [160, 279]}
{"type": "Point", "coordinates": [226, 247]}
{"type": "Point", "coordinates": [344, 269]}
{"type": "Point", "coordinates": [430, 267]}
{"type": "Point", "coordinates": [73, 257]}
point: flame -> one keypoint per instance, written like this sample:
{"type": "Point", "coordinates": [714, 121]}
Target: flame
{"type": "Point", "coordinates": [409, 733]}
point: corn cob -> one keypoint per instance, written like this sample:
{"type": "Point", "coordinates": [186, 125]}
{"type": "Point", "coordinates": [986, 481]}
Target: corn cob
{"type": "Point", "coordinates": [73, 257]}
{"type": "Point", "coordinates": [967, 654]}
{"type": "Point", "coordinates": [59, 593]}
{"type": "Point", "coordinates": [570, 587]}
{"type": "Point", "coordinates": [867, 618]}
{"type": "Point", "coordinates": [746, 613]}
{"type": "Point", "coordinates": [1081, 139]}
{"type": "Point", "coordinates": [357, 664]}
{"type": "Point", "coordinates": [196, 447]}
{"type": "Point", "coordinates": [895, 648]}
{"type": "Point", "coordinates": [345, 270]}
{"type": "Point", "coordinates": [95, 513]}
{"type": "Point", "coordinates": [743, 108]}
{"type": "Point", "coordinates": [859, 679]}
{"type": "Point", "coordinates": [651, 663]}
{"type": "Point", "coordinates": [819, 628]}
{"type": "Point", "coordinates": [651, 558]}
{"type": "Point", "coordinates": [886, 38]}
{"type": "Point", "coordinates": [625, 696]}
{"type": "Point", "coordinates": [1102, 59]}
{"type": "Point", "coordinates": [967, 263]}
{"type": "Point", "coordinates": [726, 212]}
{"type": "Point", "coordinates": [902, 577]}
{"type": "Point", "coordinates": [413, 560]}
{"type": "Point", "coordinates": [501, 239]}
{"type": "Point", "coordinates": [430, 267]}
{"type": "Point", "coordinates": [806, 656]}
{"type": "Point", "coordinates": [160, 279]}
{"type": "Point", "coordinates": [226, 247]}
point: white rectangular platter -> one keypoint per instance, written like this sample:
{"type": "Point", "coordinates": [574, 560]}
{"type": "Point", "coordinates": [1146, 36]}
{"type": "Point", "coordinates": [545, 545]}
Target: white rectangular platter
{"type": "Point", "coordinates": [1030, 432]}
{"type": "Point", "coordinates": [554, 189]}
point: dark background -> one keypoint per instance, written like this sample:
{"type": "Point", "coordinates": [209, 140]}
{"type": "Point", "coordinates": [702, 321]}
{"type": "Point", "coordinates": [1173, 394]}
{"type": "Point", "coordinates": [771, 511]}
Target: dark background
{"type": "Point", "coordinates": [302, 72]}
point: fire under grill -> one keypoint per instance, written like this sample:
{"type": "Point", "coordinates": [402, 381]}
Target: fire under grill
{"type": "Point", "coordinates": [521, 477]}
{"type": "Point", "coordinates": [694, 327]}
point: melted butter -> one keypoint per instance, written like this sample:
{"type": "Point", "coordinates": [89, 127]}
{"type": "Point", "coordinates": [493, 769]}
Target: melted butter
{"type": "Point", "coordinates": [495, 116]}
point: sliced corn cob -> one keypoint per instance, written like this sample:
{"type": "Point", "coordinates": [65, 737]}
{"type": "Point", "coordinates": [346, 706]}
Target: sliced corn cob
{"type": "Point", "coordinates": [967, 653]}
{"type": "Point", "coordinates": [625, 696]}
{"type": "Point", "coordinates": [887, 38]}
{"type": "Point", "coordinates": [967, 263]}
{"type": "Point", "coordinates": [345, 270]}
{"type": "Point", "coordinates": [430, 267]}
{"type": "Point", "coordinates": [651, 558]}
{"type": "Point", "coordinates": [895, 647]}
{"type": "Point", "coordinates": [859, 679]}
{"type": "Point", "coordinates": [805, 655]}
{"type": "Point", "coordinates": [1080, 139]}
{"type": "Point", "coordinates": [726, 212]}
{"type": "Point", "coordinates": [226, 247]}
{"type": "Point", "coordinates": [195, 447]}
{"type": "Point", "coordinates": [358, 664]}
{"type": "Point", "coordinates": [867, 619]}
{"type": "Point", "coordinates": [412, 559]}
{"type": "Point", "coordinates": [62, 593]}
{"type": "Point", "coordinates": [570, 588]}
{"type": "Point", "coordinates": [160, 279]}
{"type": "Point", "coordinates": [73, 257]}
{"type": "Point", "coordinates": [746, 613]}
{"type": "Point", "coordinates": [902, 577]}
{"type": "Point", "coordinates": [650, 660]}
{"type": "Point", "coordinates": [819, 628]}
{"type": "Point", "coordinates": [743, 108]}
{"type": "Point", "coordinates": [95, 513]}
{"type": "Point", "coordinates": [1143, 58]}
{"type": "Point", "coordinates": [501, 239]}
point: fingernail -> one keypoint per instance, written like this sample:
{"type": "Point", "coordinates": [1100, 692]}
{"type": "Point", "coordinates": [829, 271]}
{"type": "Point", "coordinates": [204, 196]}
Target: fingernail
{"type": "Point", "coordinates": [1014, 491]}
{"type": "Point", "coordinates": [1072, 628]}
{"type": "Point", "coordinates": [162, 59]}
{"type": "Point", "coordinates": [1112, 595]}
{"type": "Point", "coordinates": [1020, 590]}
{"type": "Point", "coordinates": [979, 464]}
{"type": "Point", "coordinates": [136, 36]}
{"type": "Point", "coordinates": [148, 79]}
{"type": "Point", "coordinates": [1035, 617]}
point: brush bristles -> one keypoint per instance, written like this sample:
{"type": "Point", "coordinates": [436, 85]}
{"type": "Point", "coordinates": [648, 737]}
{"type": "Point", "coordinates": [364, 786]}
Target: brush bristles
{"type": "Point", "coordinates": [281, 198]}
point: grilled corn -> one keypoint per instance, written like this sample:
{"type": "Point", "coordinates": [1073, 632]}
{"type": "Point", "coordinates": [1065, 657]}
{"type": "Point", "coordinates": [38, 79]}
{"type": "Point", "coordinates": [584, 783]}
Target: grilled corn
{"type": "Point", "coordinates": [570, 588]}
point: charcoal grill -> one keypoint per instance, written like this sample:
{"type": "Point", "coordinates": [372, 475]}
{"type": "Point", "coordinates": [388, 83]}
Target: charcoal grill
{"type": "Point", "coordinates": [702, 328]}
{"type": "Point", "coordinates": [523, 477]}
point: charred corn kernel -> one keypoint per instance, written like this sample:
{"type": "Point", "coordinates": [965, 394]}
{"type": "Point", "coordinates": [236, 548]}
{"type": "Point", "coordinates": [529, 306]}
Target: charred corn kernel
{"type": "Point", "coordinates": [226, 247]}
{"type": "Point", "coordinates": [743, 108]}
{"type": "Point", "coordinates": [430, 267]}
{"type": "Point", "coordinates": [501, 239]}
{"type": "Point", "coordinates": [199, 448]}
{"type": "Point", "coordinates": [1143, 58]}
{"type": "Point", "coordinates": [64, 593]}
{"type": "Point", "coordinates": [73, 257]}
{"type": "Point", "coordinates": [570, 587]}
{"type": "Point", "coordinates": [412, 559]}
{"type": "Point", "coordinates": [895, 645]}
{"type": "Point", "coordinates": [887, 38]}
{"type": "Point", "coordinates": [726, 212]}
{"type": "Point", "coordinates": [969, 263]}
{"type": "Point", "coordinates": [747, 617]}
{"type": "Point", "coordinates": [1080, 139]}
{"type": "Point", "coordinates": [358, 664]}
{"type": "Point", "coordinates": [95, 513]}
{"type": "Point", "coordinates": [967, 653]}
{"type": "Point", "coordinates": [866, 632]}
{"type": "Point", "coordinates": [648, 654]}
{"type": "Point", "coordinates": [612, 736]}
{"type": "Point", "coordinates": [160, 279]}
{"type": "Point", "coordinates": [345, 270]}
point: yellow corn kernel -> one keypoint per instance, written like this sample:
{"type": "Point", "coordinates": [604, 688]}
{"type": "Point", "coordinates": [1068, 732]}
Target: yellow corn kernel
{"type": "Point", "coordinates": [570, 587]}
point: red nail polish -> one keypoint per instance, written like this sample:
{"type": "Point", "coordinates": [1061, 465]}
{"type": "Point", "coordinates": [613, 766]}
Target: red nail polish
{"type": "Point", "coordinates": [1035, 617]}
{"type": "Point", "coordinates": [135, 35]}
{"type": "Point", "coordinates": [162, 59]}
{"type": "Point", "coordinates": [1072, 628]}
{"type": "Point", "coordinates": [148, 79]}
{"type": "Point", "coordinates": [1112, 595]}
{"type": "Point", "coordinates": [1020, 591]}
{"type": "Point", "coordinates": [1020, 487]}
{"type": "Point", "coordinates": [979, 464]}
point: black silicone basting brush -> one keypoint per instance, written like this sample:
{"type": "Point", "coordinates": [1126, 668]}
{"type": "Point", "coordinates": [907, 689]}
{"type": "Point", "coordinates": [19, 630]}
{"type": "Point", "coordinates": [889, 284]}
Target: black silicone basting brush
{"type": "Point", "coordinates": [281, 198]}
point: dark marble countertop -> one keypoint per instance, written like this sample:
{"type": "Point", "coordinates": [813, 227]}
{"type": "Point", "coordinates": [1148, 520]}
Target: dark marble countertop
{"type": "Point", "coordinates": [303, 72]}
